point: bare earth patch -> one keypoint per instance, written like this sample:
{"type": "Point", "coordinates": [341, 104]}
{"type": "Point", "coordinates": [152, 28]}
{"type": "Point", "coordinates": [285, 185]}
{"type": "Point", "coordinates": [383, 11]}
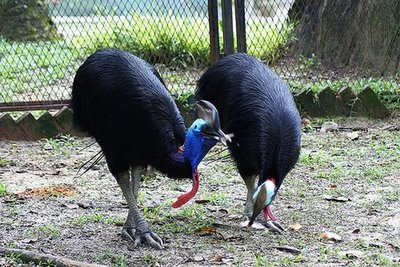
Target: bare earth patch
{"type": "Point", "coordinates": [340, 206]}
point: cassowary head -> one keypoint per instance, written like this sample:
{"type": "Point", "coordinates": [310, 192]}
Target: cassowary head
{"type": "Point", "coordinates": [202, 135]}
{"type": "Point", "coordinates": [263, 197]}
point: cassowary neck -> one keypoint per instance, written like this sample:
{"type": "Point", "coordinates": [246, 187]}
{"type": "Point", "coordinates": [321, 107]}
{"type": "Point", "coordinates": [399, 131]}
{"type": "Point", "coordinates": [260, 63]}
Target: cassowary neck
{"type": "Point", "coordinates": [176, 165]}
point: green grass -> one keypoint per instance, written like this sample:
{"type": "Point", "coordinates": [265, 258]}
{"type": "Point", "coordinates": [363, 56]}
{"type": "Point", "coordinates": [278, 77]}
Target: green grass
{"type": "Point", "coordinates": [50, 230]}
{"type": "Point", "coordinates": [3, 189]}
{"type": "Point", "coordinates": [25, 67]}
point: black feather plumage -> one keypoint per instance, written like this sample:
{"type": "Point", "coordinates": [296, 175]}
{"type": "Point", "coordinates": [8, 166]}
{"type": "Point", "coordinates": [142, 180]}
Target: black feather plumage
{"type": "Point", "coordinates": [122, 102]}
{"type": "Point", "coordinates": [258, 108]}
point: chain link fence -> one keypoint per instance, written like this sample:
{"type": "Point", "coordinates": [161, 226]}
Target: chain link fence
{"type": "Point", "coordinates": [171, 34]}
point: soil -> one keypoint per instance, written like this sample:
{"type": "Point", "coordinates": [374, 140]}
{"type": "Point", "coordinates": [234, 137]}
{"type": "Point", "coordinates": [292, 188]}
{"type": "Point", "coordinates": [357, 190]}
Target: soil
{"type": "Point", "coordinates": [348, 185]}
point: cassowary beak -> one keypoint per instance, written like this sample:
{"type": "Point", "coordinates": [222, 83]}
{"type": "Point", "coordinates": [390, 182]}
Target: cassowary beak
{"type": "Point", "coordinates": [208, 112]}
{"type": "Point", "coordinates": [263, 197]}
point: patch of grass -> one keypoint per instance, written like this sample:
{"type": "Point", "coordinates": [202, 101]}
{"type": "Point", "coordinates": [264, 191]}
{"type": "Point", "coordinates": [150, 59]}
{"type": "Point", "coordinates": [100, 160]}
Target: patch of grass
{"type": "Point", "coordinates": [117, 260]}
{"type": "Point", "coordinates": [89, 218]}
{"type": "Point", "coordinates": [61, 145]}
{"type": "Point", "coordinates": [3, 189]}
{"type": "Point", "coordinates": [268, 41]}
{"type": "Point", "coordinates": [27, 66]}
{"type": "Point", "coordinates": [50, 230]}
{"type": "Point", "coordinates": [217, 198]}
{"type": "Point", "coordinates": [308, 62]}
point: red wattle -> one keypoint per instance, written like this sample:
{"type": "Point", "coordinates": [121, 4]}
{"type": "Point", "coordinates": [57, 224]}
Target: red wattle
{"type": "Point", "coordinates": [268, 215]}
{"type": "Point", "coordinates": [189, 195]}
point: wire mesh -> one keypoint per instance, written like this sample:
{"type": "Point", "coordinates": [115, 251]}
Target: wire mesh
{"type": "Point", "coordinates": [171, 34]}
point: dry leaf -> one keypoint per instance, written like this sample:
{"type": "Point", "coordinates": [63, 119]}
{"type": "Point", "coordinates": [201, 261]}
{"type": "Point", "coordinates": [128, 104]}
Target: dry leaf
{"type": "Point", "coordinates": [295, 226]}
{"type": "Point", "coordinates": [332, 186]}
{"type": "Point", "coordinates": [255, 225]}
{"type": "Point", "coordinates": [206, 230]}
{"type": "Point", "coordinates": [331, 236]}
{"type": "Point", "coordinates": [217, 258]}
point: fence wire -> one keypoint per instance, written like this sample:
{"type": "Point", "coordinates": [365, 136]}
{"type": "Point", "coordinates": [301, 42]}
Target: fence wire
{"type": "Point", "coordinates": [171, 34]}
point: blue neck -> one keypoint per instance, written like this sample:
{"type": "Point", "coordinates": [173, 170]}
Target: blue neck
{"type": "Point", "coordinates": [196, 145]}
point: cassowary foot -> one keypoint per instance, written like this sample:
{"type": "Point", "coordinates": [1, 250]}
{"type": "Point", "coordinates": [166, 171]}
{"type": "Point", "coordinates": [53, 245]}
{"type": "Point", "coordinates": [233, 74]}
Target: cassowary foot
{"type": "Point", "coordinates": [138, 237]}
{"type": "Point", "coordinates": [273, 226]}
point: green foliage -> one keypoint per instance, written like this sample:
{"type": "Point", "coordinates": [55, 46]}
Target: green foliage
{"type": "Point", "coordinates": [50, 230]}
{"type": "Point", "coordinates": [61, 145]}
{"type": "Point", "coordinates": [3, 189]}
{"type": "Point", "coordinates": [308, 62]}
{"type": "Point", "coordinates": [29, 65]}
{"type": "Point", "coordinates": [269, 42]}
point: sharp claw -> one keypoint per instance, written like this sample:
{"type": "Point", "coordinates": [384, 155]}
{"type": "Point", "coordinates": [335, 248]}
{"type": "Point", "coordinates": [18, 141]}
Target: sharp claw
{"type": "Point", "coordinates": [274, 226]}
{"type": "Point", "coordinates": [138, 237]}
{"type": "Point", "coordinates": [150, 240]}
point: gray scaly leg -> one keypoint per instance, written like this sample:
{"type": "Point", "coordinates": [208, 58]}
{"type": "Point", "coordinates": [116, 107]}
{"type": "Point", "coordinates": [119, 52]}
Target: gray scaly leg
{"type": "Point", "coordinates": [136, 228]}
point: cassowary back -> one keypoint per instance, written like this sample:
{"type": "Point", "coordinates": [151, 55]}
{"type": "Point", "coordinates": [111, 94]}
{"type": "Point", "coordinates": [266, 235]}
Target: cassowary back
{"type": "Point", "coordinates": [258, 108]}
{"type": "Point", "coordinates": [121, 100]}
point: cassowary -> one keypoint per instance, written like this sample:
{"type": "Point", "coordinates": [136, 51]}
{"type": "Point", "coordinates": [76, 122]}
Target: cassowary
{"type": "Point", "coordinates": [257, 107]}
{"type": "Point", "coordinates": [122, 102]}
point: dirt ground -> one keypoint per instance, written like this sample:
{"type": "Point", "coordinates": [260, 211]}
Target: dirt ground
{"type": "Point", "coordinates": [346, 183]}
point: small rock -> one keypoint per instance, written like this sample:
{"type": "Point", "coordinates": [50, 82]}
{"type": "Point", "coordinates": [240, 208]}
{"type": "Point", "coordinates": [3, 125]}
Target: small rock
{"type": "Point", "coordinates": [329, 126]}
{"type": "Point", "coordinates": [198, 258]}
{"type": "Point", "coordinates": [353, 136]}
{"type": "Point", "coordinates": [47, 147]}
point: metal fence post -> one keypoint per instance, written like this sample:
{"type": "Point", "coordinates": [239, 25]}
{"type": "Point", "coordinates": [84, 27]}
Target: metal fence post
{"type": "Point", "coordinates": [227, 26]}
{"type": "Point", "coordinates": [213, 24]}
{"type": "Point", "coordinates": [240, 26]}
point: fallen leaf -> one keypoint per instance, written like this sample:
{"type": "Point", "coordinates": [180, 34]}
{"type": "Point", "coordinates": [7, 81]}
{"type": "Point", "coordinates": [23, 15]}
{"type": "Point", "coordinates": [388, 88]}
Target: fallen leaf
{"type": "Point", "coordinates": [332, 186]}
{"type": "Point", "coordinates": [206, 230]}
{"type": "Point", "coordinates": [289, 249]}
{"type": "Point", "coordinates": [217, 258]}
{"type": "Point", "coordinates": [295, 226]}
{"type": "Point", "coordinates": [337, 199]}
{"type": "Point", "coordinates": [255, 225]}
{"type": "Point", "coordinates": [353, 136]}
{"type": "Point", "coordinates": [331, 236]}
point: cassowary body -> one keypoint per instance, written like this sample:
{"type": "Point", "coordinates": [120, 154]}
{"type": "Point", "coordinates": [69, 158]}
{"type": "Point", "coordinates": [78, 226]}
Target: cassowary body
{"type": "Point", "coordinates": [257, 107]}
{"type": "Point", "coordinates": [122, 102]}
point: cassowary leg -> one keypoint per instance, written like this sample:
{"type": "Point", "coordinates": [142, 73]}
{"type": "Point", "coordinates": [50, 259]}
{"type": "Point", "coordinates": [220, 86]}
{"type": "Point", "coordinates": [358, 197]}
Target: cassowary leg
{"type": "Point", "coordinates": [248, 210]}
{"type": "Point", "coordinates": [136, 228]}
{"type": "Point", "coordinates": [251, 186]}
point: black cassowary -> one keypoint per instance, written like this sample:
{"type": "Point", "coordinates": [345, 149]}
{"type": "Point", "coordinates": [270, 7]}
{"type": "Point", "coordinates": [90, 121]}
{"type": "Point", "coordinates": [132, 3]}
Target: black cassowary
{"type": "Point", "coordinates": [122, 102]}
{"type": "Point", "coordinates": [257, 107]}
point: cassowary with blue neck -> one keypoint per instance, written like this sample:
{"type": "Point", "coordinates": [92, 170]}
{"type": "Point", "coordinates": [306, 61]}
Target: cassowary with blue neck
{"type": "Point", "coordinates": [122, 102]}
{"type": "Point", "coordinates": [257, 107]}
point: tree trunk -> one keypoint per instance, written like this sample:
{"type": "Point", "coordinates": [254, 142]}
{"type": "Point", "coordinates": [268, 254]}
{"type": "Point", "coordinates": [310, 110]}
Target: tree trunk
{"type": "Point", "coordinates": [26, 20]}
{"type": "Point", "coordinates": [354, 33]}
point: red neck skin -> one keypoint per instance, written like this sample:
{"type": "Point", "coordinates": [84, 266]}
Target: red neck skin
{"type": "Point", "coordinates": [268, 215]}
{"type": "Point", "coordinates": [189, 195]}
